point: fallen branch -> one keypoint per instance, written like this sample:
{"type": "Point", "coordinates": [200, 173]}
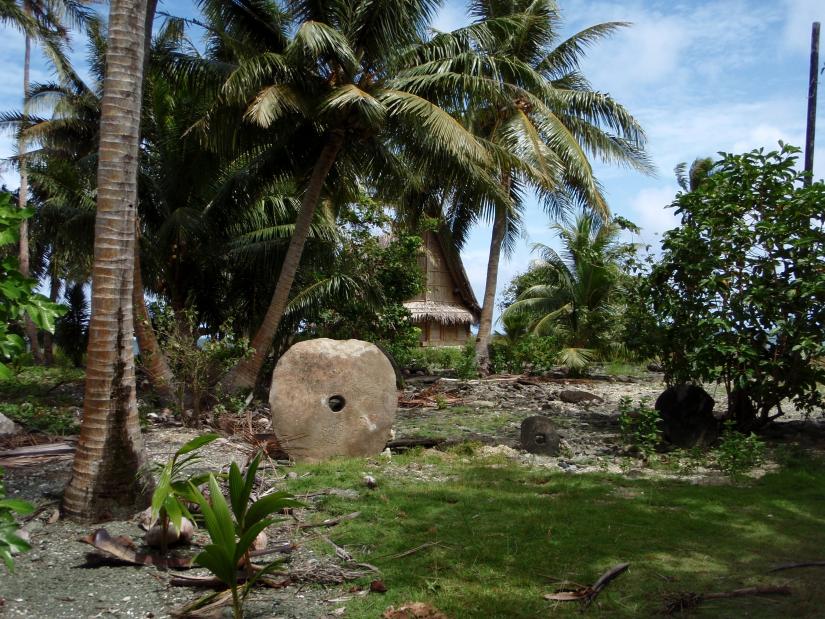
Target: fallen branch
{"type": "Point", "coordinates": [792, 566]}
{"type": "Point", "coordinates": [329, 522]}
{"type": "Point", "coordinates": [212, 582]}
{"type": "Point", "coordinates": [280, 547]}
{"type": "Point", "coordinates": [681, 602]}
{"type": "Point", "coordinates": [47, 449]}
{"type": "Point", "coordinates": [587, 595]}
{"type": "Point", "coordinates": [604, 580]}
{"type": "Point", "coordinates": [407, 443]}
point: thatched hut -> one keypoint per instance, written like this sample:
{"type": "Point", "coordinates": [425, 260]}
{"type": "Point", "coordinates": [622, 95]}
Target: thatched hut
{"type": "Point", "coordinates": [447, 307]}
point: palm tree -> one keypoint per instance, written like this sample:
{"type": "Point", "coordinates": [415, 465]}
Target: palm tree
{"type": "Point", "coordinates": [341, 100]}
{"type": "Point", "coordinates": [110, 450]}
{"type": "Point", "coordinates": [553, 121]}
{"type": "Point", "coordinates": [43, 19]}
{"type": "Point", "coordinates": [579, 302]}
{"type": "Point", "coordinates": [700, 169]}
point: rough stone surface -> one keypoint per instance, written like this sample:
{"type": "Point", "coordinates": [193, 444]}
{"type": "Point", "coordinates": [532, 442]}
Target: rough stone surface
{"type": "Point", "coordinates": [687, 416]}
{"type": "Point", "coordinates": [333, 398]}
{"type": "Point", "coordinates": [574, 396]}
{"type": "Point", "coordinates": [7, 426]}
{"type": "Point", "coordinates": [539, 436]}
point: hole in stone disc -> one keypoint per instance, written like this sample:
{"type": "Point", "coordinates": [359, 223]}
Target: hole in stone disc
{"type": "Point", "coordinates": [540, 438]}
{"type": "Point", "coordinates": [336, 403]}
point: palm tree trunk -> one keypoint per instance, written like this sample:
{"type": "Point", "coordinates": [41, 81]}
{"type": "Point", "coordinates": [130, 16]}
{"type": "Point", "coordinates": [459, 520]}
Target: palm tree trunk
{"type": "Point", "coordinates": [105, 479]}
{"type": "Point", "coordinates": [23, 194]}
{"type": "Point", "coordinates": [154, 361]}
{"type": "Point", "coordinates": [485, 323]}
{"type": "Point", "coordinates": [54, 292]}
{"type": "Point", "coordinates": [244, 375]}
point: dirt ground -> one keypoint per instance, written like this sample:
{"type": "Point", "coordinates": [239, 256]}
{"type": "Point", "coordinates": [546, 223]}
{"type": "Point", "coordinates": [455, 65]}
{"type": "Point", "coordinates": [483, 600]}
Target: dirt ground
{"type": "Point", "coordinates": [53, 581]}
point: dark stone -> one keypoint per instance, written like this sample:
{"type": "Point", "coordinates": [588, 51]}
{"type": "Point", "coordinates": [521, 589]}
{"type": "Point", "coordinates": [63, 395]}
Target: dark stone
{"type": "Point", "coordinates": [687, 416]}
{"type": "Point", "coordinates": [539, 436]}
{"type": "Point", "coordinates": [573, 396]}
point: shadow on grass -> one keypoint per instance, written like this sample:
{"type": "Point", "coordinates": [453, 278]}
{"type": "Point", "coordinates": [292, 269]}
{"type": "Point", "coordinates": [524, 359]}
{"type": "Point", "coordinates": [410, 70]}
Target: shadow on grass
{"type": "Point", "coordinates": [505, 535]}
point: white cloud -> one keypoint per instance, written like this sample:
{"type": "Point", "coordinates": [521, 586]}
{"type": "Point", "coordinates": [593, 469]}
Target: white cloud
{"type": "Point", "coordinates": [647, 210]}
{"type": "Point", "coordinates": [800, 14]}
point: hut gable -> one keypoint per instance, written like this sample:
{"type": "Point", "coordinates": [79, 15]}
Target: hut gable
{"type": "Point", "coordinates": [447, 306]}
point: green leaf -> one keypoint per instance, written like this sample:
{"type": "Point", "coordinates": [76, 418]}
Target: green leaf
{"type": "Point", "coordinates": [222, 517]}
{"type": "Point", "coordinates": [6, 556]}
{"type": "Point", "coordinates": [43, 312]}
{"type": "Point", "coordinates": [197, 443]}
{"type": "Point", "coordinates": [249, 536]}
{"type": "Point", "coordinates": [251, 471]}
{"type": "Point", "coordinates": [236, 486]}
{"type": "Point", "coordinates": [270, 504]}
{"type": "Point", "coordinates": [21, 507]}
{"type": "Point", "coordinates": [173, 511]}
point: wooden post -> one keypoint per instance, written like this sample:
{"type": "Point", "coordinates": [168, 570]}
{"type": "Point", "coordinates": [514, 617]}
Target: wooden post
{"type": "Point", "coordinates": [810, 134]}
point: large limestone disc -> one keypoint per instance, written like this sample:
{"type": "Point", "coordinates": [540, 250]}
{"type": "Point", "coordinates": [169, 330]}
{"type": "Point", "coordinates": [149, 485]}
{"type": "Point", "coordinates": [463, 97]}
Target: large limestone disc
{"type": "Point", "coordinates": [333, 398]}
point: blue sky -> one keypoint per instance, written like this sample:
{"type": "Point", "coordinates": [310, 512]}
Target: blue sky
{"type": "Point", "coordinates": [701, 76]}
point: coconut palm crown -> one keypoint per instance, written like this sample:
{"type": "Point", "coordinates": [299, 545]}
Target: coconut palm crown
{"type": "Point", "coordinates": [346, 102]}
{"type": "Point", "coordinates": [553, 123]}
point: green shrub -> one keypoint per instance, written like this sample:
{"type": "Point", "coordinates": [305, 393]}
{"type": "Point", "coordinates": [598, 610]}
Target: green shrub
{"type": "Point", "coordinates": [461, 360]}
{"type": "Point", "coordinates": [530, 353]}
{"type": "Point", "coordinates": [47, 419]}
{"type": "Point", "coordinates": [467, 366]}
{"type": "Point", "coordinates": [18, 298]}
{"type": "Point", "coordinates": [438, 358]}
{"type": "Point", "coordinates": [738, 453]}
{"type": "Point", "coordinates": [9, 541]}
{"type": "Point", "coordinates": [197, 364]}
{"type": "Point", "coordinates": [639, 425]}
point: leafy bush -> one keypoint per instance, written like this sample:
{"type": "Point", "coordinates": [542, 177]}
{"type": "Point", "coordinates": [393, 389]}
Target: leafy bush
{"type": "Point", "coordinates": [739, 453]}
{"type": "Point", "coordinates": [531, 354]}
{"type": "Point", "coordinates": [196, 362]}
{"type": "Point", "coordinates": [17, 296]}
{"type": "Point", "coordinates": [639, 425]}
{"type": "Point", "coordinates": [9, 541]}
{"type": "Point", "coordinates": [437, 358]}
{"type": "Point", "coordinates": [467, 366]}
{"type": "Point", "coordinates": [47, 419]}
{"type": "Point", "coordinates": [72, 329]}
{"type": "Point", "coordinates": [740, 289]}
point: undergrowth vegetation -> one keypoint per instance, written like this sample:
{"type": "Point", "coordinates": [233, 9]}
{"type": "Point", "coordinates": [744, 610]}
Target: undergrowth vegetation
{"type": "Point", "coordinates": [482, 537]}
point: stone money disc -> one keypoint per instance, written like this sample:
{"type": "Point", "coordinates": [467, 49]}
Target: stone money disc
{"type": "Point", "coordinates": [333, 398]}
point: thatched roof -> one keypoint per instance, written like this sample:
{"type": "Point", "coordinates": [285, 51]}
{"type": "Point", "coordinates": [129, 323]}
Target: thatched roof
{"type": "Point", "coordinates": [456, 266]}
{"type": "Point", "coordinates": [441, 312]}
{"type": "Point", "coordinates": [446, 313]}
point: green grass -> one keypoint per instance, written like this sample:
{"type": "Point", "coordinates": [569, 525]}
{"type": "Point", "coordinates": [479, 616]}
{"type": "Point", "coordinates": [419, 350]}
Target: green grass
{"type": "Point", "coordinates": [623, 368]}
{"type": "Point", "coordinates": [39, 384]}
{"type": "Point", "coordinates": [33, 399]}
{"type": "Point", "coordinates": [506, 534]}
{"type": "Point", "coordinates": [457, 422]}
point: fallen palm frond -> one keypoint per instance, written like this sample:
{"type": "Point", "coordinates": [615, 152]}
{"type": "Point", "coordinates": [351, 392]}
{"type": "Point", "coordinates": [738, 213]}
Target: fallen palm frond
{"type": "Point", "coordinates": [587, 595]}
